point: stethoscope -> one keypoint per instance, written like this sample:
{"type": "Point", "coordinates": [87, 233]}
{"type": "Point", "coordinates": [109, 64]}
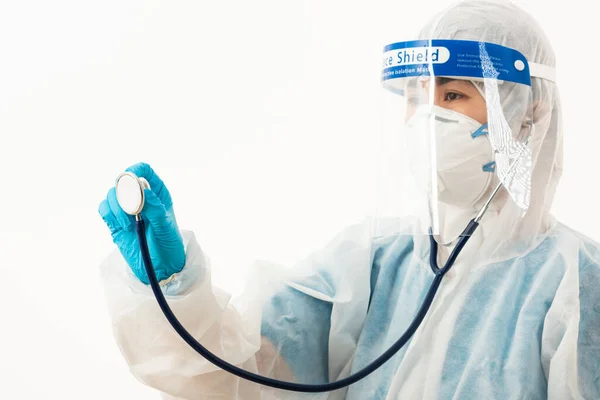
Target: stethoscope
{"type": "Point", "coordinates": [130, 195]}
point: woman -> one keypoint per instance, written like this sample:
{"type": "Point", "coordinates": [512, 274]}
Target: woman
{"type": "Point", "coordinates": [517, 317]}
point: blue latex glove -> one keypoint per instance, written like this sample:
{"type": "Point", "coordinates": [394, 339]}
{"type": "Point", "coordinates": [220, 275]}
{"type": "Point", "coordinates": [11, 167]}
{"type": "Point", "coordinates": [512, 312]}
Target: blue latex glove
{"type": "Point", "coordinates": [164, 240]}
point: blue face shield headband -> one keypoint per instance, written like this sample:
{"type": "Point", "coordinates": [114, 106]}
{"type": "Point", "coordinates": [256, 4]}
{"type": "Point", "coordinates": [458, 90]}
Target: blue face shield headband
{"type": "Point", "coordinates": [459, 59]}
{"type": "Point", "coordinates": [470, 60]}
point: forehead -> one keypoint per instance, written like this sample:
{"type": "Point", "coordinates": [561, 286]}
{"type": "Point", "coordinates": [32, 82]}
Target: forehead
{"type": "Point", "coordinates": [420, 82]}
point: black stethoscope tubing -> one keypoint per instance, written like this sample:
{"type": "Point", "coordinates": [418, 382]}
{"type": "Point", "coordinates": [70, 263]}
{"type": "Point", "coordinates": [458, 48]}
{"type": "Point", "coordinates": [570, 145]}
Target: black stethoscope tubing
{"type": "Point", "coordinates": [299, 387]}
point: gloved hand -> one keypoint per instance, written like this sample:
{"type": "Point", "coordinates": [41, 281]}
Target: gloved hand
{"type": "Point", "coordinates": [164, 240]}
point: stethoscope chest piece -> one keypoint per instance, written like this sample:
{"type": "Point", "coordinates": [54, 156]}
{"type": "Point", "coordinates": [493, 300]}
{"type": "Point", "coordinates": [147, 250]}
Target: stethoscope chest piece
{"type": "Point", "coordinates": [130, 192]}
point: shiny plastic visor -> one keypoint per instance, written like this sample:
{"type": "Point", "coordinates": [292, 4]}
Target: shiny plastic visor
{"type": "Point", "coordinates": [456, 119]}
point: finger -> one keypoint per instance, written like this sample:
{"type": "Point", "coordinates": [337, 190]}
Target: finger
{"type": "Point", "coordinates": [109, 218]}
{"type": "Point", "coordinates": [124, 219]}
{"type": "Point", "coordinates": [154, 210]}
{"type": "Point", "coordinates": [144, 170]}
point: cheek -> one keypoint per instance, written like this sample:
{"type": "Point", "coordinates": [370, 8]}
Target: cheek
{"type": "Point", "coordinates": [482, 115]}
{"type": "Point", "coordinates": [479, 110]}
{"type": "Point", "coordinates": [474, 109]}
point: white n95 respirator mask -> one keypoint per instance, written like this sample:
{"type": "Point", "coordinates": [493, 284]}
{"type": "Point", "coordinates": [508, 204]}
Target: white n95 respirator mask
{"type": "Point", "coordinates": [458, 154]}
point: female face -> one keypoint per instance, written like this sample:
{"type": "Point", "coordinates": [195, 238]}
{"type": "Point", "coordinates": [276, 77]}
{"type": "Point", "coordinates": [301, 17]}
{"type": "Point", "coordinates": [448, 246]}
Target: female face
{"type": "Point", "coordinates": [454, 94]}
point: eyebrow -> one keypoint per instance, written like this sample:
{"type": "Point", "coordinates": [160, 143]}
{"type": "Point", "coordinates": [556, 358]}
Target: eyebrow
{"type": "Point", "coordinates": [439, 81]}
{"type": "Point", "coordinates": [413, 83]}
{"type": "Point", "coordinates": [444, 81]}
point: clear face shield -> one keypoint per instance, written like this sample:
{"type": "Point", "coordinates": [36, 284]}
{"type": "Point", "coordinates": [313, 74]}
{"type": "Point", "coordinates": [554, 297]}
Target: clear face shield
{"type": "Point", "coordinates": [457, 119]}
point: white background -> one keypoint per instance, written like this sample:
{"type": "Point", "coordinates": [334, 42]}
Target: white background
{"type": "Point", "coordinates": [211, 94]}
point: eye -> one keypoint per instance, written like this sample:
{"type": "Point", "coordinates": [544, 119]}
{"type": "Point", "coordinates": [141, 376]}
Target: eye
{"type": "Point", "coordinates": [453, 96]}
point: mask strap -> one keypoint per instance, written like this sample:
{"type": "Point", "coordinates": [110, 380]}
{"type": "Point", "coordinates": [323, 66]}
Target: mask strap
{"type": "Point", "coordinates": [482, 130]}
{"type": "Point", "coordinates": [489, 167]}
{"type": "Point", "coordinates": [479, 89]}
